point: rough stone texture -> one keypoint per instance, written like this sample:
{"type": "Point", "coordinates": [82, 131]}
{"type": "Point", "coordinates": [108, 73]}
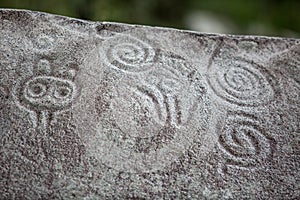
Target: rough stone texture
{"type": "Point", "coordinates": [94, 110]}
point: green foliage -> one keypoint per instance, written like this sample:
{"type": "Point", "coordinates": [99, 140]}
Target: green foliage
{"type": "Point", "coordinates": [278, 16]}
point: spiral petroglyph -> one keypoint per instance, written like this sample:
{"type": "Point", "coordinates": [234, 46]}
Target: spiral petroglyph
{"type": "Point", "coordinates": [244, 143]}
{"type": "Point", "coordinates": [241, 82]}
{"type": "Point", "coordinates": [128, 54]}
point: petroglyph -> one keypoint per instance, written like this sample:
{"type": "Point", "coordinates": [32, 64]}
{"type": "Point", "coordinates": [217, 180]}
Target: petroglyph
{"type": "Point", "coordinates": [43, 94]}
{"type": "Point", "coordinates": [241, 82]}
{"type": "Point", "coordinates": [244, 143]}
{"type": "Point", "coordinates": [128, 54]}
{"type": "Point", "coordinates": [164, 101]}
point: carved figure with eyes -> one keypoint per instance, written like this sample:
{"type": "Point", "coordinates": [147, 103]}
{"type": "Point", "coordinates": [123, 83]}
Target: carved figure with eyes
{"type": "Point", "coordinates": [47, 91]}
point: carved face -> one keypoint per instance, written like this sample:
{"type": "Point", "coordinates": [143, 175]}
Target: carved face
{"type": "Point", "coordinates": [48, 93]}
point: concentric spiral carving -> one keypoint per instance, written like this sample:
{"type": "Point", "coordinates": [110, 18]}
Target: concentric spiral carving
{"type": "Point", "coordinates": [128, 54]}
{"type": "Point", "coordinates": [241, 82]}
{"type": "Point", "coordinates": [243, 143]}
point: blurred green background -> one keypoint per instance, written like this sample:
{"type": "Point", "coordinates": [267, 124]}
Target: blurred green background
{"type": "Point", "coordinates": [258, 17]}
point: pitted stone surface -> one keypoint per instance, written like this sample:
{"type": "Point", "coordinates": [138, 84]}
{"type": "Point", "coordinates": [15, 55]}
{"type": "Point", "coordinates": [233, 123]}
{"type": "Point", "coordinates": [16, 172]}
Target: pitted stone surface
{"type": "Point", "coordinates": [93, 110]}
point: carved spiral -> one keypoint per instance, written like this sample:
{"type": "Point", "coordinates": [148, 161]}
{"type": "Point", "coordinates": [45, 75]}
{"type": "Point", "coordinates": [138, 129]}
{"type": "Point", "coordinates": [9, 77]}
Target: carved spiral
{"type": "Point", "coordinates": [128, 54]}
{"type": "Point", "coordinates": [244, 143]}
{"type": "Point", "coordinates": [241, 82]}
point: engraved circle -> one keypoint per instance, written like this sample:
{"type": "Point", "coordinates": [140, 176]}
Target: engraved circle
{"type": "Point", "coordinates": [37, 90]}
{"type": "Point", "coordinates": [243, 143]}
{"type": "Point", "coordinates": [241, 82]}
{"type": "Point", "coordinates": [128, 54]}
{"type": "Point", "coordinates": [62, 91]}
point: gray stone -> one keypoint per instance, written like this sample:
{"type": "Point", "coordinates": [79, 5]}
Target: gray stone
{"type": "Point", "coordinates": [92, 110]}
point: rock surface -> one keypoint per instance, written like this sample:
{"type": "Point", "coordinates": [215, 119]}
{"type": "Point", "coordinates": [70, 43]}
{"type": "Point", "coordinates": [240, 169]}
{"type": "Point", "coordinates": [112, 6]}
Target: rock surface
{"type": "Point", "coordinates": [92, 110]}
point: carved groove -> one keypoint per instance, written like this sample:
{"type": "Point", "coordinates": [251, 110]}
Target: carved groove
{"type": "Point", "coordinates": [168, 108]}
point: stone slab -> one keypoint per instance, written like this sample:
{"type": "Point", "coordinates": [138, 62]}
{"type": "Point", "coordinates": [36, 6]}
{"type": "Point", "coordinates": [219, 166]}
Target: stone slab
{"type": "Point", "coordinates": [99, 110]}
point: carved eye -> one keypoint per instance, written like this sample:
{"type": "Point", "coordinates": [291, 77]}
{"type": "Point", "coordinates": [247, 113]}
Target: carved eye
{"type": "Point", "coordinates": [62, 92]}
{"type": "Point", "coordinates": [37, 90]}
